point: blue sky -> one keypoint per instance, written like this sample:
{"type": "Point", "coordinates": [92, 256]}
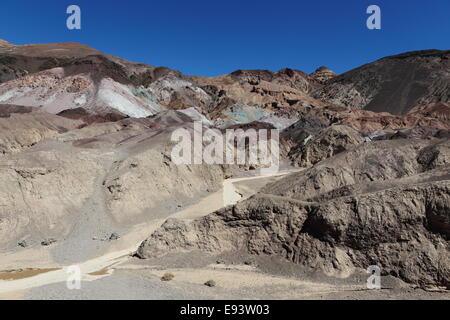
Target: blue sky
{"type": "Point", "coordinates": [212, 37]}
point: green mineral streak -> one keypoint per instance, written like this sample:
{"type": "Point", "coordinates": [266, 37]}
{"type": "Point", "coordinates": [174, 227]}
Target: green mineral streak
{"type": "Point", "coordinates": [142, 93]}
{"type": "Point", "coordinates": [245, 114]}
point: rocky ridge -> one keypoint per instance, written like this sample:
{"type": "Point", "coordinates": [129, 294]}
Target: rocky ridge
{"type": "Point", "coordinates": [340, 215]}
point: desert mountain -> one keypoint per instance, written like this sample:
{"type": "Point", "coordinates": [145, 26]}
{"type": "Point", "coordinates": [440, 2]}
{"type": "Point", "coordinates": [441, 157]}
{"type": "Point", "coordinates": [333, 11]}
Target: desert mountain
{"type": "Point", "coordinates": [393, 84]}
{"type": "Point", "coordinates": [4, 43]}
{"type": "Point", "coordinates": [85, 150]}
{"type": "Point", "coordinates": [63, 76]}
{"type": "Point", "coordinates": [58, 77]}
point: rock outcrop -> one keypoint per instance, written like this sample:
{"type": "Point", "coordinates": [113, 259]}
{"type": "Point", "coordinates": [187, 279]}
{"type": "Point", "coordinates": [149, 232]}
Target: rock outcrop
{"type": "Point", "coordinates": [325, 144]}
{"type": "Point", "coordinates": [4, 43]}
{"type": "Point", "coordinates": [323, 74]}
{"type": "Point", "coordinates": [22, 127]}
{"type": "Point", "coordinates": [388, 205]}
{"type": "Point", "coordinates": [440, 111]}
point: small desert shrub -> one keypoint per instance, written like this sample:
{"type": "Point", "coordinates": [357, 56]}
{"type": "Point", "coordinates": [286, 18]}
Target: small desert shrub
{"type": "Point", "coordinates": [167, 276]}
{"type": "Point", "coordinates": [210, 283]}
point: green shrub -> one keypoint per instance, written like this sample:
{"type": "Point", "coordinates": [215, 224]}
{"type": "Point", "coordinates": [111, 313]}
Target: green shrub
{"type": "Point", "coordinates": [210, 283]}
{"type": "Point", "coordinates": [167, 276]}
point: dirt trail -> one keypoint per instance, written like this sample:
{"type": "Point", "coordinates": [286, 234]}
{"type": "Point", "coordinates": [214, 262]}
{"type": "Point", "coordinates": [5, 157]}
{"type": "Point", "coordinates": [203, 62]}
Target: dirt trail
{"type": "Point", "coordinates": [128, 244]}
{"type": "Point", "coordinates": [231, 195]}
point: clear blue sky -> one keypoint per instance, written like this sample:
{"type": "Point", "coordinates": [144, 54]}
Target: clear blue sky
{"type": "Point", "coordinates": [212, 37]}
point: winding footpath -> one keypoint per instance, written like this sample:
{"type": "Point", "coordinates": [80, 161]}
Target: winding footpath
{"type": "Point", "coordinates": [96, 268]}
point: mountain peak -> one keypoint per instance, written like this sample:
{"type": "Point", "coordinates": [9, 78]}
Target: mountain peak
{"type": "Point", "coordinates": [322, 68]}
{"type": "Point", "coordinates": [323, 74]}
{"type": "Point", "coordinates": [4, 43]}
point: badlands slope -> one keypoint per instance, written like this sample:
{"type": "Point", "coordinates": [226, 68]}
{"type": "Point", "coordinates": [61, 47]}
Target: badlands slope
{"type": "Point", "coordinates": [87, 183]}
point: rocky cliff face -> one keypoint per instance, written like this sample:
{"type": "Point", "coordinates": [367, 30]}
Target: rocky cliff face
{"type": "Point", "coordinates": [326, 143]}
{"type": "Point", "coordinates": [386, 205]}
